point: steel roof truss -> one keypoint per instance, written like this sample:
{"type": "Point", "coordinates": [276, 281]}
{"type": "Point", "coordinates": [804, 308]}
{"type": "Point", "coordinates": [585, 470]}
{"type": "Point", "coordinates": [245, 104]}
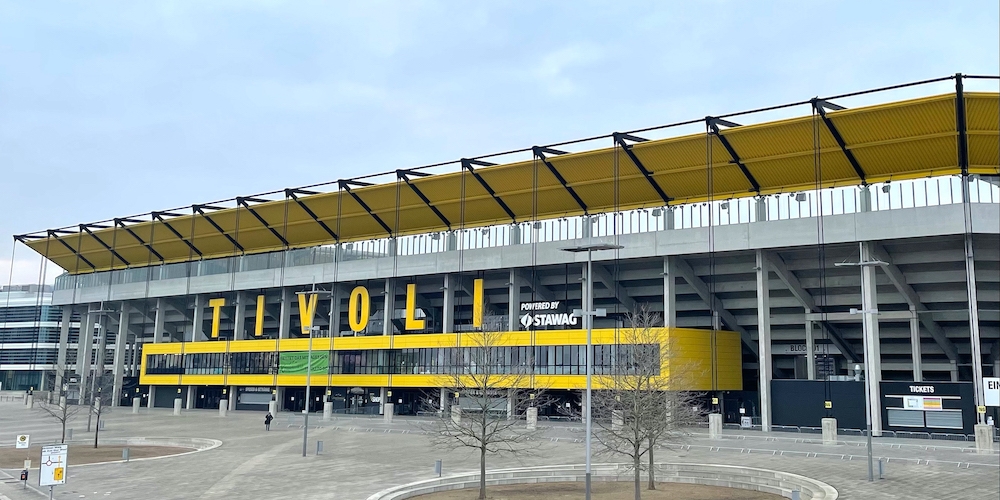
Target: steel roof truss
{"type": "Point", "coordinates": [71, 249]}
{"type": "Point", "coordinates": [540, 154]}
{"type": "Point", "coordinates": [620, 140]}
{"type": "Point", "coordinates": [821, 106]}
{"type": "Point", "coordinates": [467, 164]}
{"type": "Point", "coordinates": [243, 201]}
{"type": "Point", "coordinates": [346, 186]}
{"type": "Point", "coordinates": [86, 228]}
{"type": "Point", "coordinates": [200, 209]}
{"type": "Point", "coordinates": [159, 216]}
{"type": "Point", "coordinates": [292, 193]}
{"type": "Point", "coordinates": [121, 223]}
{"type": "Point", "coordinates": [404, 175]}
{"type": "Point", "coordinates": [713, 124]}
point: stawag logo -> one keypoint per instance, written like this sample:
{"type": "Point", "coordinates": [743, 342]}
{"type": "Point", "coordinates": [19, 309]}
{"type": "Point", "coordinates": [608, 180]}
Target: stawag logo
{"type": "Point", "coordinates": [545, 314]}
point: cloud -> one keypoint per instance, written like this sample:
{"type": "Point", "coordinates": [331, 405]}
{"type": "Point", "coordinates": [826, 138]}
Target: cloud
{"type": "Point", "coordinates": [557, 71]}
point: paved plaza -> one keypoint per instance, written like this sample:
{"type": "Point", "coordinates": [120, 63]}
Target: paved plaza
{"type": "Point", "coordinates": [363, 455]}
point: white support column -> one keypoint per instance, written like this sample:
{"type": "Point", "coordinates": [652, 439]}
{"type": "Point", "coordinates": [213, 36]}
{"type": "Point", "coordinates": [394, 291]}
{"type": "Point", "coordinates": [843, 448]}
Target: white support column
{"type": "Point", "coordinates": [513, 302]}
{"type": "Point", "coordinates": [121, 345]}
{"type": "Point", "coordinates": [873, 354]}
{"type": "Point", "coordinates": [198, 319]}
{"type": "Point", "coordinates": [102, 344]}
{"type": "Point", "coordinates": [285, 316]}
{"type": "Point", "coordinates": [151, 400]}
{"type": "Point", "coordinates": [761, 205]}
{"type": "Point", "coordinates": [915, 355]}
{"type": "Point", "coordinates": [669, 294]}
{"type": "Point", "coordinates": [67, 318]}
{"type": "Point", "coordinates": [668, 214]}
{"type": "Point", "coordinates": [970, 281]}
{"type": "Point", "coordinates": [865, 199]}
{"type": "Point", "coordinates": [84, 347]}
{"type": "Point", "coordinates": [515, 234]}
{"type": "Point", "coordinates": [159, 321]}
{"type": "Point", "coordinates": [388, 306]}
{"type": "Point", "coordinates": [335, 310]}
{"type": "Point", "coordinates": [232, 398]}
{"type": "Point", "coordinates": [764, 340]}
{"type": "Point", "coordinates": [191, 392]}
{"type": "Point", "coordinates": [448, 304]}
{"type": "Point", "coordinates": [240, 320]}
{"type": "Point", "coordinates": [810, 350]}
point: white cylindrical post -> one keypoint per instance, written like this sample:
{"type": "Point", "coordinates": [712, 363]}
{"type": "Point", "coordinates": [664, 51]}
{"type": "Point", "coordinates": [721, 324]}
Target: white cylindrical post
{"type": "Point", "coordinates": [387, 416]}
{"type": "Point", "coordinates": [327, 411]}
{"type": "Point", "coordinates": [136, 402]}
{"type": "Point", "coordinates": [223, 407]}
{"type": "Point", "coordinates": [178, 402]}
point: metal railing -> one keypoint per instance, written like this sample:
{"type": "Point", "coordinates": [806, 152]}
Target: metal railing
{"type": "Point", "coordinates": [934, 191]}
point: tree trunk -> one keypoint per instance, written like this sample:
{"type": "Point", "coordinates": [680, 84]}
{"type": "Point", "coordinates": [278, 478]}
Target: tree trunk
{"type": "Point", "coordinates": [63, 440]}
{"type": "Point", "coordinates": [482, 472]}
{"type": "Point", "coordinates": [636, 463]}
{"type": "Point", "coordinates": [652, 475]}
{"type": "Point", "coordinates": [97, 431]}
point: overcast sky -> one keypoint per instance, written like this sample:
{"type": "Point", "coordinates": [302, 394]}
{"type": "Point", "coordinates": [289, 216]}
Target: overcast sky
{"type": "Point", "coordinates": [109, 109]}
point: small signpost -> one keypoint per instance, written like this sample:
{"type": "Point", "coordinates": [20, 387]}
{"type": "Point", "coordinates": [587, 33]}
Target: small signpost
{"type": "Point", "coordinates": [52, 469]}
{"type": "Point", "coordinates": [22, 441]}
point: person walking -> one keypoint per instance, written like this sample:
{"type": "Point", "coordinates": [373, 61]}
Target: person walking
{"type": "Point", "coordinates": [267, 421]}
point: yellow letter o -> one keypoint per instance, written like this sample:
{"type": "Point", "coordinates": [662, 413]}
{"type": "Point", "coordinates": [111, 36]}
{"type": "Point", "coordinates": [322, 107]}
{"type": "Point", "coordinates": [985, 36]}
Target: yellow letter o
{"type": "Point", "coordinates": [358, 309]}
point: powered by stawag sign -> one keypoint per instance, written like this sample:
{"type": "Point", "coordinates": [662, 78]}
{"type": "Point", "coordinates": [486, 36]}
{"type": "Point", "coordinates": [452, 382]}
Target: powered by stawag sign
{"type": "Point", "coordinates": [547, 314]}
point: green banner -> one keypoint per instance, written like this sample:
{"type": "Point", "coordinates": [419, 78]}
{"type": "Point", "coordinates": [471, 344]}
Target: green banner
{"type": "Point", "coordinates": [294, 363]}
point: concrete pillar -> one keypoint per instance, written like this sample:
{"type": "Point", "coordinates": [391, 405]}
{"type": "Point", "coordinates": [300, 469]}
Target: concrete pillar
{"type": "Point", "coordinates": [388, 306]}
{"type": "Point", "coordinates": [67, 317]}
{"type": "Point", "coordinates": [829, 430]}
{"type": "Point", "coordinates": [29, 401]}
{"type": "Point", "coordinates": [451, 241]}
{"type": "Point", "coordinates": [513, 302]}
{"type": "Point", "coordinates": [512, 404]}
{"type": "Point", "coordinates": [335, 311]}
{"type": "Point", "coordinates": [327, 410]}
{"type": "Point", "coordinates": [198, 319]}
{"type": "Point", "coordinates": [588, 226]}
{"type": "Point", "coordinates": [84, 348]}
{"type": "Point", "coordinates": [444, 402]}
{"type": "Point", "coordinates": [387, 415]}
{"type": "Point", "coordinates": [189, 401]}
{"type": "Point", "coordinates": [810, 350]}
{"type": "Point", "coordinates": [669, 294]}
{"type": "Point", "coordinates": [531, 418]}
{"type": "Point", "coordinates": [102, 344]}
{"type": "Point", "coordinates": [448, 304]}
{"type": "Point", "coordinates": [177, 406]}
{"type": "Point", "coordinates": [764, 339]}
{"type": "Point", "coordinates": [873, 354]}
{"type": "Point", "coordinates": [232, 398]}
{"type": "Point", "coordinates": [668, 215]}
{"type": "Point", "coordinates": [515, 234]}
{"type": "Point", "coordinates": [954, 370]}
{"type": "Point", "coordinates": [984, 439]}
{"type": "Point", "coordinates": [383, 395]}
{"type": "Point", "coordinates": [715, 426]}
{"type": "Point", "coordinates": [136, 402]}
{"type": "Point", "coordinates": [272, 407]}
{"type": "Point", "coordinates": [285, 316]}
{"type": "Point", "coordinates": [456, 414]}
{"type": "Point", "coordinates": [240, 318]}
{"type": "Point", "coordinates": [761, 206]}
{"type": "Point", "coordinates": [915, 355]}
{"type": "Point", "coordinates": [151, 399]}
{"type": "Point", "coordinates": [121, 346]}
{"type": "Point", "coordinates": [159, 321]}
{"type": "Point", "coordinates": [223, 407]}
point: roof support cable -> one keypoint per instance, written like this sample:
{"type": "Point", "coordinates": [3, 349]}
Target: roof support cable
{"type": "Point", "coordinates": [620, 139]}
{"type": "Point", "coordinates": [121, 223]}
{"type": "Point", "coordinates": [200, 209]}
{"type": "Point", "coordinates": [159, 216]}
{"type": "Point", "coordinates": [86, 228]}
{"type": "Point", "coordinates": [819, 107]}
{"type": "Point", "coordinates": [346, 186]}
{"type": "Point", "coordinates": [713, 126]}
{"type": "Point", "coordinates": [467, 165]}
{"type": "Point", "coordinates": [293, 194]}
{"type": "Point", "coordinates": [245, 203]}
{"type": "Point", "coordinates": [540, 153]}
{"type": "Point", "coordinates": [404, 175]}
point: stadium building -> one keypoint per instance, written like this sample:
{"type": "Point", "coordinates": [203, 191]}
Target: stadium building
{"type": "Point", "coordinates": [793, 260]}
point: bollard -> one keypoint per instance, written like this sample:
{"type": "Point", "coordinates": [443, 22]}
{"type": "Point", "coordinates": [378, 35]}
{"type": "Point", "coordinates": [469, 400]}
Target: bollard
{"type": "Point", "coordinates": [437, 467]}
{"type": "Point", "coordinates": [177, 406]}
{"type": "Point", "coordinates": [387, 413]}
{"type": "Point", "coordinates": [531, 418]}
{"type": "Point", "coordinates": [881, 468]}
{"type": "Point", "coordinates": [327, 410]}
{"type": "Point", "coordinates": [319, 447]}
{"type": "Point", "coordinates": [125, 454]}
{"type": "Point", "coordinates": [136, 402]}
{"type": "Point", "coordinates": [715, 426]}
{"type": "Point", "coordinates": [223, 407]}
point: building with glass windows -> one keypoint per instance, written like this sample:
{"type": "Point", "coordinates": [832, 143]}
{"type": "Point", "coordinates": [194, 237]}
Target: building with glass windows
{"type": "Point", "coordinates": [856, 233]}
{"type": "Point", "coordinates": [29, 338]}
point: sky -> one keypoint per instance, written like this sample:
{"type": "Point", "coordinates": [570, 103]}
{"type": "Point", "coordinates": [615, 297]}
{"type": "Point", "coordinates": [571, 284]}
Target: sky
{"type": "Point", "coordinates": [109, 109]}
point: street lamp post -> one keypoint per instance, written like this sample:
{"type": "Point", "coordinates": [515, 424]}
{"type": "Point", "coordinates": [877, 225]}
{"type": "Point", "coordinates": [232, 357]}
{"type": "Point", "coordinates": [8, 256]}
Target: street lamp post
{"type": "Point", "coordinates": [587, 313]}
{"type": "Point", "coordinates": [313, 331]}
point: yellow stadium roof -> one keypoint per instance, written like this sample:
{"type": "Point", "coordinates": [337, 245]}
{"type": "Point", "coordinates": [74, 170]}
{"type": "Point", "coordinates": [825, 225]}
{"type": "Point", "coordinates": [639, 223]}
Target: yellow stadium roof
{"type": "Point", "coordinates": [898, 140]}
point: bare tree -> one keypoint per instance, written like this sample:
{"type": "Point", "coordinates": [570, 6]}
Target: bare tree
{"type": "Point", "coordinates": [60, 411]}
{"type": "Point", "coordinates": [492, 384]}
{"type": "Point", "coordinates": [101, 400]}
{"type": "Point", "coordinates": [639, 405]}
